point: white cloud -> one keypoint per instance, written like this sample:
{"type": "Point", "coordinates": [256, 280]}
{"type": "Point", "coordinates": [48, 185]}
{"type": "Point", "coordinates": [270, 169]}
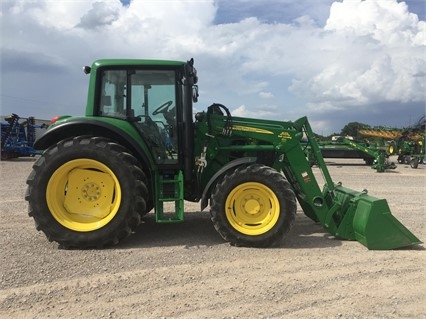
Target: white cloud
{"type": "Point", "coordinates": [377, 55]}
{"type": "Point", "coordinates": [240, 111]}
{"type": "Point", "coordinates": [368, 53]}
{"type": "Point", "coordinates": [266, 95]}
{"type": "Point", "coordinates": [101, 14]}
{"type": "Point", "coordinates": [265, 111]}
{"type": "Point", "coordinates": [385, 21]}
{"type": "Point", "coordinates": [49, 14]}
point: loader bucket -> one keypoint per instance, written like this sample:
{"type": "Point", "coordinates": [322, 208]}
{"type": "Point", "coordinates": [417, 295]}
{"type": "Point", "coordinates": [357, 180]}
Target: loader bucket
{"type": "Point", "coordinates": [368, 220]}
{"type": "Point", "coordinates": [376, 228]}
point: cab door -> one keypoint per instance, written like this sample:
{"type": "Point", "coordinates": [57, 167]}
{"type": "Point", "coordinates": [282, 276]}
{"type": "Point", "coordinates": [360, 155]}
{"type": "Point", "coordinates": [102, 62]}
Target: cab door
{"type": "Point", "coordinates": [148, 98]}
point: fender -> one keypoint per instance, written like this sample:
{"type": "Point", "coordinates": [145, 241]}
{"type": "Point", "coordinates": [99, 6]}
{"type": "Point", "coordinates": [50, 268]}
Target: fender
{"type": "Point", "coordinates": [207, 190]}
{"type": "Point", "coordinates": [82, 126]}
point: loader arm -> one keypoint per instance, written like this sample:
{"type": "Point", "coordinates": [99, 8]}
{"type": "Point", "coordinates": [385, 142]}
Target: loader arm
{"type": "Point", "coordinates": [343, 212]}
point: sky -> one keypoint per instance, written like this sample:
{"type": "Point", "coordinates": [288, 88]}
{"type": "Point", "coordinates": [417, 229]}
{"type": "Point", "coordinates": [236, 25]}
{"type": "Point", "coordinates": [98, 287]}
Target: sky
{"type": "Point", "coordinates": [335, 62]}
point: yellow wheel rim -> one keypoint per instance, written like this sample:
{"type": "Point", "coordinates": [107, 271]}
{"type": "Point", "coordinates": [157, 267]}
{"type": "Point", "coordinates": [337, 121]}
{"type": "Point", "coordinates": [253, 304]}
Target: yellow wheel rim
{"type": "Point", "coordinates": [83, 195]}
{"type": "Point", "coordinates": [252, 208]}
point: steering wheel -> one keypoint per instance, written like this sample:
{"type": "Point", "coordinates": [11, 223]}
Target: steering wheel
{"type": "Point", "coordinates": [162, 108]}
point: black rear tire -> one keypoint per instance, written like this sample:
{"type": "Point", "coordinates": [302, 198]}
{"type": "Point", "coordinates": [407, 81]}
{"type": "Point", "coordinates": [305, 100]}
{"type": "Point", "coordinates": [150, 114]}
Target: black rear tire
{"type": "Point", "coordinates": [414, 162]}
{"type": "Point", "coordinates": [86, 192]}
{"type": "Point", "coordinates": [253, 206]}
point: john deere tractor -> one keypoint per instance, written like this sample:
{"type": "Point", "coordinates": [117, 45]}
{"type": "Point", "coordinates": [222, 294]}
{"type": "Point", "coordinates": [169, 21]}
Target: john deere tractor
{"type": "Point", "coordinates": [139, 146]}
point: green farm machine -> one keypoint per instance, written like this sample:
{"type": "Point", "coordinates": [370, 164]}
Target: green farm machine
{"type": "Point", "coordinates": [139, 147]}
{"type": "Point", "coordinates": [407, 144]}
{"type": "Point", "coordinates": [373, 154]}
{"type": "Point", "coordinates": [380, 154]}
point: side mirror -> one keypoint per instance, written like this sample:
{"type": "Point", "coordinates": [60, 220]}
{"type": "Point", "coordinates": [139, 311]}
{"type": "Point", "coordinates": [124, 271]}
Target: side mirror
{"type": "Point", "coordinates": [194, 93]}
{"type": "Point", "coordinates": [87, 69]}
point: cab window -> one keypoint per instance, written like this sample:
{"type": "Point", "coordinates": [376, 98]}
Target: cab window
{"type": "Point", "coordinates": [148, 99]}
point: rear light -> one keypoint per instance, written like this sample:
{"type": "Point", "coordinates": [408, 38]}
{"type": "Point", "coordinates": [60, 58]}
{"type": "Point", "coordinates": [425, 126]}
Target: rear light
{"type": "Point", "coordinates": [53, 120]}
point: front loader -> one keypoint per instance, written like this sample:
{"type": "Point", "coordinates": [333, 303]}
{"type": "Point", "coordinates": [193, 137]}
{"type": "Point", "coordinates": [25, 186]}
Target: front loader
{"type": "Point", "coordinates": [380, 155]}
{"type": "Point", "coordinates": [139, 147]}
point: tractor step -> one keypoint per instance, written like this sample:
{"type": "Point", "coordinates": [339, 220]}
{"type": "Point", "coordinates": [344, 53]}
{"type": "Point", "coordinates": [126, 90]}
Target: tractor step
{"type": "Point", "coordinates": [169, 189]}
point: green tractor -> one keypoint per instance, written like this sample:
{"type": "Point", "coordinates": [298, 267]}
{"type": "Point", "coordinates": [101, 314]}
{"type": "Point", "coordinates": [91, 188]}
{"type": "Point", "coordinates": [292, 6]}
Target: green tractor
{"type": "Point", "coordinates": [139, 146]}
{"type": "Point", "coordinates": [411, 152]}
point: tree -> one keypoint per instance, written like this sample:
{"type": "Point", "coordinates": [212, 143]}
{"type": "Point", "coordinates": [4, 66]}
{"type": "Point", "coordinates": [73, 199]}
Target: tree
{"type": "Point", "coordinates": [353, 128]}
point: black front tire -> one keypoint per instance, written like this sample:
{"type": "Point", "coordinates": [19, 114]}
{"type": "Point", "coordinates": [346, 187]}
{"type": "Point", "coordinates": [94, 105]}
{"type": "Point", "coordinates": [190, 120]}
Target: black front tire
{"type": "Point", "coordinates": [253, 206]}
{"type": "Point", "coordinates": [414, 162]}
{"type": "Point", "coordinates": [369, 161]}
{"type": "Point", "coordinates": [86, 192]}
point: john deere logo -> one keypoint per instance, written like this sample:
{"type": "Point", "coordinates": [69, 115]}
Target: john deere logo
{"type": "Point", "coordinates": [284, 136]}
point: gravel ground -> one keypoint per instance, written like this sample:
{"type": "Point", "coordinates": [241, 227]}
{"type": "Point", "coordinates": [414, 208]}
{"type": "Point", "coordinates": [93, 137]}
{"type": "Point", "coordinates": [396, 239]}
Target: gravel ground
{"type": "Point", "coordinates": [187, 271]}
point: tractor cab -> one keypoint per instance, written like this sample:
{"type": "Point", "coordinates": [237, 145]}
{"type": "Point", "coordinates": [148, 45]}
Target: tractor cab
{"type": "Point", "coordinates": [155, 100]}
